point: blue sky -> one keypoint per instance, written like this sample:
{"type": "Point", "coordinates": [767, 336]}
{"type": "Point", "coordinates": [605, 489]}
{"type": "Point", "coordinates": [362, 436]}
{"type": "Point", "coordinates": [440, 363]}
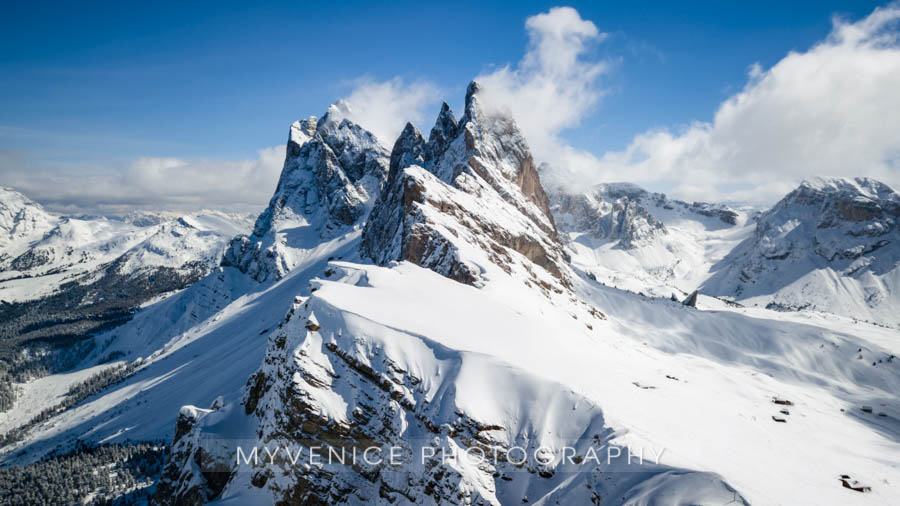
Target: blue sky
{"type": "Point", "coordinates": [95, 86]}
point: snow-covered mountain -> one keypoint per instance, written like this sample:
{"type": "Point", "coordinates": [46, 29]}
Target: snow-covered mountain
{"type": "Point", "coordinates": [63, 279]}
{"type": "Point", "coordinates": [40, 251]}
{"type": "Point", "coordinates": [332, 174]}
{"type": "Point", "coordinates": [352, 370]}
{"type": "Point", "coordinates": [830, 245]}
{"type": "Point", "coordinates": [466, 199]}
{"type": "Point", "coordinates": [22, 222]}
{"type": "Point", "coordinates": [434, 296]}
{"type": "Point", "coordinates": [627, 237]}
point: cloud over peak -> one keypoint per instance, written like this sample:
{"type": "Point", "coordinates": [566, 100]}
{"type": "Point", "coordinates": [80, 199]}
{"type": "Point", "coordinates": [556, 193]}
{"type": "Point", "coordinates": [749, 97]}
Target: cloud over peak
{"type": "Point", "coordinates": [151, 183]}
{"type": "Point", "coordinates": [829, 110]}
{"type": "Point", "coordinates": [554, 86]}
{"type": "Point", "coordinates": [819, 112]}
{"type": "Point", "coordinates": [385, 107]}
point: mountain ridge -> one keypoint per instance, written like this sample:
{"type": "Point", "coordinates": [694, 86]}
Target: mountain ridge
{"type": "Point", "coordinates": [330, 345]}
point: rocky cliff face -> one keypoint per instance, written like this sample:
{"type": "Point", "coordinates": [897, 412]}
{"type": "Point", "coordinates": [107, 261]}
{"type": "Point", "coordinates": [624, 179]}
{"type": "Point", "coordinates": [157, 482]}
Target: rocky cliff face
{"type": "Point", "coordinates": [470, 194]}
{"type": "Point", "coordinates": [831, 244]}
{"type": "Point", "coordinates": [641, 241]}
{"type": "Point", "coordinates": [626, 213]}
{"type": "Point", "coordinates": [608, 212]}
{"type": "Point", "coordinates": [335, 384]}
{"type": "Point", "coordinates": [333, 171]}
{"type": "Point", "coordinates": [834, 219]}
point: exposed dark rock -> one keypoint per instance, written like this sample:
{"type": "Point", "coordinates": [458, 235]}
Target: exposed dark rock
{"type": "Point", "coordinates": [483, 156]}
{"type": "Point", "coordinates": [691, 300]}
{"type": "Point", "coordinates": [333, 171]}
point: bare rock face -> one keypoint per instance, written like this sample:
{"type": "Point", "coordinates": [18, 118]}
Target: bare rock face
{"type": "Point", "coordinates": [31, 259]}
{"type": "Point", "coordinates": [627, 213]}
{"type": "Point", "coordinates": [329, 386]}
{"type": "Point", "coordinates": [470, 193]}
{"type": "Point", "coordinates": [333, 171]}
{"type": "Point", "coordinates": [829, 220]}
{"type": "Point", "coordinates": [719, 211]}
{"type": "Point", "coordinates": [691, 300]}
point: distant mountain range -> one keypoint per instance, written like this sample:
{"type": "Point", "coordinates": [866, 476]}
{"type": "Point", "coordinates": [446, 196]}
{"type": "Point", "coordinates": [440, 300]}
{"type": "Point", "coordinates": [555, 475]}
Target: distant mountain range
{"type": "Point", "coordinates": [830, 245]}
{"type": "Point", "coordinates": [63, 279]}
{"type": "Point", "coordinates": [434, 295]}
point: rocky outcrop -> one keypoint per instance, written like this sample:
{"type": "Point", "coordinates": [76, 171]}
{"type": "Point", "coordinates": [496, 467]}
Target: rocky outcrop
{"type": "Point", "coordinates": [333, 171]}
{"type": "Point", "coordinates": [346, 410]}
{"type": "Point", "coordinates": [830, 244]}
{"type": "Point", "coordinates": [470, 193]}
{"type": "Point", "coordinates": [691, 300]}
{"type": "Point", "coordinates": [607, 216]}
{"type": "Point", "coordinates": [831, 220]}
{"type": "Point", "coordinates": [718, 211]}
{"type": "Point", "coordinates": [627, 214]}
{"type": "Point", "coordinates": [31, 259]}
{"type": "Point", "coordinates": [193, 473]}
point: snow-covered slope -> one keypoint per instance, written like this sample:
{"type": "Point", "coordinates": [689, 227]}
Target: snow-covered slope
{"type": "Point", "coordinates": [352, 361]}
{"type": "Point", "coordinates": [406, 357]}
{"type": "Point", "coordinates": [352, 367]}
{"type": "Point", "coordinates": [65, 279]}
{"type": "Point", "coordinates": [474, 330]}
{"type": "Point", "coordinates": [830, 245]}
{"type": "Point", "coordinates": [627, 237]}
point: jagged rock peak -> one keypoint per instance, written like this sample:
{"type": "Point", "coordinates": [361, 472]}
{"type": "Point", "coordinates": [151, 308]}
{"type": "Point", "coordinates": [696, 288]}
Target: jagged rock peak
{"type": "Point", "coordinates": [336, 114]}
{"type": "Point", "coordinates": [496, 139]}
{"type": "Point", "coordinates": [471, 90]}
{"type": "Point", "coordinates": [301, 132]}
{"type": "Point", "coordinates": [445, 129]}
{"type": "Point", "coordinates": [490, 147]}
{"type": "Point", "coordinates": [446, 123]}
{"type": "Point", "coordinates": [339, 167]}
{"type": "Point", "coordinates": [473, 110]}
{"type": "Point", "coordinates": [333, 171]}
{"type": "Point", "coordinates": [409, 149]}
{"type": "Point", "coordinates": [481, 159]}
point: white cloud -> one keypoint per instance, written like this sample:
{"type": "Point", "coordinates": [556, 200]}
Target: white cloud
{"type": "Point", "coordinates": [385, 107]}
{"type": "Point", "coordinates": [150, 183]}
{"type": "Point", "coordinates": [553, 87]}
{"type": "Point", "coordinates": [827, 111]}
{"type": "Point", "coordinates": [166, 183]}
